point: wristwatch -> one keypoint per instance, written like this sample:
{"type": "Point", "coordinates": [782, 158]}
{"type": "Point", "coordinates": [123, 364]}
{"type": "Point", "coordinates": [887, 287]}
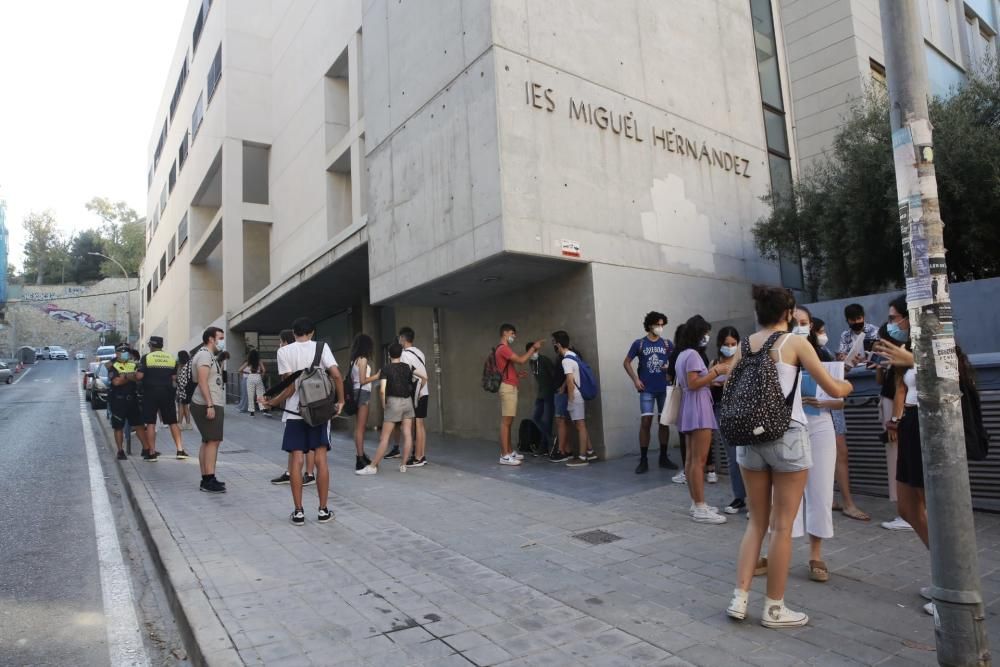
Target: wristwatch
{"type": "Point", "coordinates": [895, 420]}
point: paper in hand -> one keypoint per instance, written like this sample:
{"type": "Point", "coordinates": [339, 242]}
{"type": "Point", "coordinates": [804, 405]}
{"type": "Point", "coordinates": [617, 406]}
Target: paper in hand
{"type": "Point", "coordinates": [836, 371]}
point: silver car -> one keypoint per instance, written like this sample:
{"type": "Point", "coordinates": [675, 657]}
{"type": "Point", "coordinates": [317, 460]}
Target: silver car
{"type": "Point", "coordinates": [6, 374]}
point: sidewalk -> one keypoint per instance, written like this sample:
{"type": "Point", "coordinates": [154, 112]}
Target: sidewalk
{"type": "Point", "coordinates": [465, 562]}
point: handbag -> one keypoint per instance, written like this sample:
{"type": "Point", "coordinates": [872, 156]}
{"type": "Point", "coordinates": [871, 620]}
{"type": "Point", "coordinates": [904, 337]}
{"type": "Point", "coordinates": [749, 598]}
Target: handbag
{"type": "Point", "coordinates": [671, 406]}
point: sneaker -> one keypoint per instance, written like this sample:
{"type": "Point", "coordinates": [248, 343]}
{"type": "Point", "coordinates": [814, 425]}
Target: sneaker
{"type": "Point", "coordinates": [509, 461]}
{"type": "Point", "coordinates": [121, 455]}
{"type": "Point", "coordinates": [693, 508]}
{"type": "Point", "coordinates": [558, 457]}
{"type": "Point", "coordinates": [925, 593]}
{"type": "Point", "coordinates": [368, 461]}
{"type": "Point", "coordinates": [665, 462]}
{"type": "Point", "coordinates": [897, 524]}
{"type": "Point", "coordinates": [679, 478]}
{"type": "Point", "coordinates": [394, 454]}
{"type": "Point", "coordinates": [253, 414]}
{"type": "Point", "coordinates": [298, 517]}
{"type": "Point", "coordinates": [418, 463]}
{"type": "Point", "coordinates": [929, 609]}
{"type": "Point", "coordinates": [735, 506]}
{"type": "Point", "coordinates": [283, 478]}
{"type": "Point", "coordinates": [643, 467]}
{"type": "Point", "coordinates": [367, 470]}
{"type": "Point", "coordinates": [712, 478]}
{"type": "Point", "coordinates": [577, 462]}
{"type": "Point", "coordinates": [591, 455]}
{"type": "Point", "coordinates": [706, 515]}
{"type": "Point", "coordinates": [780, 616]}
{"type": "Point", "coordinates": [517, 455]}
{"type": "Point", "coordinates": [182, 455]}
{"type": "Point", "coordinates": [213, 486]}
{"type": "Point", "coordinates": [738, 605]}
{"type": "Point", "coordinates": [359, 463]}
{"type": "Point", "coordinates": [402, 468]}
{"type": "Point", "coordinates": [324, 515]}
{"type": "Point", "coordinates": [150, 458]}
{"type": "Point", "coordinates": [308, 480]}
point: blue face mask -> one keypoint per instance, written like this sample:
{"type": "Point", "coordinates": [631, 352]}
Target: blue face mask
{"type": "Point", "coordinates": [124, 356]}
{"type": "Point", "coordinates": [897, 332]}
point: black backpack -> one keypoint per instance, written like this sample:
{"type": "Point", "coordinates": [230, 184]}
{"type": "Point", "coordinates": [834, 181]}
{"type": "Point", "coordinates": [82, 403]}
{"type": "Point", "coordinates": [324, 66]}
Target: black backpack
{"type": "Point", "coordinates": [352, 396]}
{"type": "Point", "coordinates": [754, 408]}
{"type": "Point", "coordinates": [529, 437]}
{"type": "Point", "coordinates": [977, 439]}
{"type": "Point", "coordinates": [492, 376]}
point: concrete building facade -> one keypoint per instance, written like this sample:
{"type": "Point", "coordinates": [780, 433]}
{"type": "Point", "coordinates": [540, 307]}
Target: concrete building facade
{"type": "Point", "coordinates": [450, 166]}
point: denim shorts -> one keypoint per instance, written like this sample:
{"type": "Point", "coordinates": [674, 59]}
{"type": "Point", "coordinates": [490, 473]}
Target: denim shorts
{"type": "Point", "coordinates": [651, 404]}
{"type": "Point", "coordinates": [789, 453]}
{"type": "Point", "coordinates": [562, 405]}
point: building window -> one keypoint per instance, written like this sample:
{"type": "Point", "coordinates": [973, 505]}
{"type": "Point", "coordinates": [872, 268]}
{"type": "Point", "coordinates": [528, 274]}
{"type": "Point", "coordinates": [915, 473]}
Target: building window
{"type": "Point", "coordinates": [159, 145]}
{"type": "Point", "coordinates": [182, 152]}
{"type": "Point", "coordinates": [163, 266]}
{"type": "Point", "coordinates": [149, 291]}
{"type": "Point", "coordinates": [156, 282]}
{"type": "Point", "coordinates": [163, 199]}
{"type": "Point", "coordinates": [172, 250]}
{"type": "Point", "coordinates": [149, 179]}
{"type": "Point", "coordinates": [156, 219]}
{"type": "Point", "coordinates": [179, 88]}
{"type": "Point", "coordinates": [172, 178]}
{"type": "Point", "coordinates": [199, 23]}
{"type": "Point", "coordinates": [878, 75]}
{"type": "Point", "coordinates": [182, 232]}
{"type": "Point", "coordinates": [197, 115]}
{"type": "Point", "coordinates": [215, 73]}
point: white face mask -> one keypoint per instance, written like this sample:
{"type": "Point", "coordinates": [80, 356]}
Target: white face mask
{"type": "Point", "coordinates": [534, 357]}
{"type": "Point", "coordinates": [728, 350]}
{"type": "Point", "coordinates": [705, 340]}
{"type": "Point", "coordinates": [510, 340]}
{"type": "Point", "coordinates": [657, 331]}
{"type": "Point", "coordinates": [220, 345]}
{"type": "Point", "coordinates": [801, 330]}
{"type": "Point", "coordinates": [822, 339]}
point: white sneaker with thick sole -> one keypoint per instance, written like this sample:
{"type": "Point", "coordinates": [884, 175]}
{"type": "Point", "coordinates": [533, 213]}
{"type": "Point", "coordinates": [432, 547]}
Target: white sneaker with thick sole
{"type": "Point", "coordinates": [780, 616]}
{"type": "Point", "coordinates": [706, 515]}
{"type": "Point", "coordinates": [897, 524]}
{"type": "Point", "coordinates": [516, 455]}
{"type": "Point", "coordinates": [738, 605]}
{"type": "Point", "coordinates": [929, 609]}
{"type": "Point", "coordinates": [509, 460]}
{"type": "Point", "coordinates": [712, 478]}
{"type": "Point", "coordinates": [679, 478]}
{"type": "Point", "coordinates": [367, 470]}
{"type": "Point", "coordinates": [693, 508]}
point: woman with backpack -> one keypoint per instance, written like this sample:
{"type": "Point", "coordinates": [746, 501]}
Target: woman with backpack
{"type": "Point", "coordinates": [696, 419]}
{"type": "Point", "coordinates": [762, 414]}
{"type": "Point", "coordinates": [361, 387]}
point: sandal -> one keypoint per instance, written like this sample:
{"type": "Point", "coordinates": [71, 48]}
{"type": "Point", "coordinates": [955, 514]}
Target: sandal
{"type": "Point", "coordinates": [761, 568]}
{"type": "Point", "coordinates": [818, 571]}
{"type": "Point", "coordinates": [855, 514]}
{"type": "Point", "coordinates": [836, 507]}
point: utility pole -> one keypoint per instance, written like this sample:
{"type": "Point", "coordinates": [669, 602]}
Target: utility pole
{"type": "Point", "coordinates": [959, 618]}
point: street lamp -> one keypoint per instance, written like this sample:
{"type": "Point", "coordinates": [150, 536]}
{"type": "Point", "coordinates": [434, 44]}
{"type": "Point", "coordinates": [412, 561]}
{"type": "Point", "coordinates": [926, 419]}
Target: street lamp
{"type": "Point", "coordinates": [128, 300]}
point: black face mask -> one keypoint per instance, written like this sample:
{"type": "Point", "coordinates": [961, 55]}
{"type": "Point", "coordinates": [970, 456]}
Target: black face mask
{"type": "Point", "coordinates": [556, 350]}
{"type": "Point", "coordinates": [858, 327]}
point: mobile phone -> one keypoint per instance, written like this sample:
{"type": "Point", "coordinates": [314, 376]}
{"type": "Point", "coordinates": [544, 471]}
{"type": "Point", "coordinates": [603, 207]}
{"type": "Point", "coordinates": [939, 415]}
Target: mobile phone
{"type": "Point", "coordinates": [877, 359]}
{"type": "Point", "coordinates": [869, 342]}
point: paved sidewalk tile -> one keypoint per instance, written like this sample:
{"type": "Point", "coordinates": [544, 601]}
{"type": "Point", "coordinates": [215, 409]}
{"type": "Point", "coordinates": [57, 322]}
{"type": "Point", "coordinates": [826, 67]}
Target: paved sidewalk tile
{"type": "Point", "coordinates": [466, 562]}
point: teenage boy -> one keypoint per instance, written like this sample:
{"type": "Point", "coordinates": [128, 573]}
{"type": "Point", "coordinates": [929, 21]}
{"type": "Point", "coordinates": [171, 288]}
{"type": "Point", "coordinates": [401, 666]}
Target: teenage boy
{"type": "Point", "coordinates": [575, 405]}
{"type": "Point", "coordinates": [301, 438]}
{"type": "Point", "coordinates": [653, 352]}
{"type": "Point", "coordinates": [208, 405]}
{"type": "Point", "coordinates": [854, 313]}
{"type": "Point", "coordinates": [124, 402]}
{"type": "Point", "coordinates": [397, 405]}
{"type": "Point", "coordinates": [856, 328]}
{"type": "Point", "coordinates": [506, 360]}
{"type": "Point", "coordinates": [287, 337]}
{"type": "Point", "coordinates": [418, 362]}
{"type": "Point", "coordinates": [158, 372]}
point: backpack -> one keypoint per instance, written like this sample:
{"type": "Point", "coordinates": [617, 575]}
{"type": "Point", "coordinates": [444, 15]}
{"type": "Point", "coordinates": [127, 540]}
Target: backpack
{"type": "Point", "coordinates": [588, 383]}
{"type": "Point", "coordinates": [977, 439]}
{"type": "Point", "coordinates": [192, 383]}
{"type": "Point", "coordinates": [754, 408]}
{"type": "Point", "coordinates": [529, 437]}
{"type": "Point", "coordinates": [352, 397]}
{"type": "Point", "coordinates": [317, 398]}
{"type": "Point", "coordinates": [492, 376]}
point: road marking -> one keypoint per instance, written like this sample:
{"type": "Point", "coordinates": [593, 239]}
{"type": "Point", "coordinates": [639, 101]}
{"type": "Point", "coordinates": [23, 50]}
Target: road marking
{"type": "Point", "coordinates": [22, 376]}
{"type": "Point", "coordinates": [125, 644]}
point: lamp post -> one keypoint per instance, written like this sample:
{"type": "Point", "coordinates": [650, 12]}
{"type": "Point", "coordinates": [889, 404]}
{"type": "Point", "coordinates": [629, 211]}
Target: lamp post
{"type": "Point", "coordinates": [128, 300]}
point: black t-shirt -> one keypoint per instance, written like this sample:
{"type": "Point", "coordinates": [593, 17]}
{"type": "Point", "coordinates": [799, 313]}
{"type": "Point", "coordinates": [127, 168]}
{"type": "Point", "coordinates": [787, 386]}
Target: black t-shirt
{"type": "Point", "coordinates": [158, 369]}
{"type": "Point", "coordinates": [398, 380]}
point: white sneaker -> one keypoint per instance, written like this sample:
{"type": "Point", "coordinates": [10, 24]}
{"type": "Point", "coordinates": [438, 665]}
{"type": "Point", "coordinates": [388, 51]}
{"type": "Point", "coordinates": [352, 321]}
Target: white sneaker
{"type": "Point", "coordinates": [777, 615]}
{"type": "Point", "coordinates": [509, 461]}
{"type": "Point", "coordinates": [679, 478]}
{"type": "Point", "coordinates": [693, 508]}
{"type": "Point", "coordinates": [367, 470]}
{"type": "Point", "coordinates": [929, 609]}
{"type": "Point", "coordinates": [402, 468]}
{"type": "Point", "coordinates": [738, 605]}
{"type": "Point", "coordinates": [897, 524]}
{"type": "Point", "coordinates": [519, 457]}
{"type": "Point", "coordinates": [712, 478]}
{"type": "Point", "coordinates": [706, 515]}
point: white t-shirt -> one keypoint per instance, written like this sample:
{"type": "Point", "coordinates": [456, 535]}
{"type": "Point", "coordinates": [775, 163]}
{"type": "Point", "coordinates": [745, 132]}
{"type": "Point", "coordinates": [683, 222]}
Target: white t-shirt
{"type": "Point", "coordinates": [299, 356]}
{"type": "Point", "coordinates": [417, 361]}
{"type": "Point", "coordinates": [572, 369]}
{"type": "Point", "coordinates": [356, 374]}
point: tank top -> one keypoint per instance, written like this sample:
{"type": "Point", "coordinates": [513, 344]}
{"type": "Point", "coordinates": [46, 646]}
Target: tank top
{"type": "Point", "coordinates": [910, 381]}
{"type": "Point", "coordinates": [356, 376]}
{"type": "Point", "coordinates": [787, 374]}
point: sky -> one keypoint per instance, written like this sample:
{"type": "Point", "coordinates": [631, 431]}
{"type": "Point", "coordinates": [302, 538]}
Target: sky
{"type": "Point", "coordinates": [80, 84]}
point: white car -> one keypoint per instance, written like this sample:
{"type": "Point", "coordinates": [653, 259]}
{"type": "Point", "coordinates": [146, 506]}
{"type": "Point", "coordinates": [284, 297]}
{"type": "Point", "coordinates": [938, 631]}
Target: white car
{"type": "Point", "coordinates": [80, 356]}
{"type": "Point", "coordinates": [106, 353]}
{"type": "Point", "coordinates": [6, 374]}
{"type": "Point", "coordinates": [56, 352]}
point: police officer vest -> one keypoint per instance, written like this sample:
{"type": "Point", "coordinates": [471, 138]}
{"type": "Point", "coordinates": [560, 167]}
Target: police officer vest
{"type": "Point", "coordinates": [124, 366]}
{"type": "Point", "coordinates": [160, 359]}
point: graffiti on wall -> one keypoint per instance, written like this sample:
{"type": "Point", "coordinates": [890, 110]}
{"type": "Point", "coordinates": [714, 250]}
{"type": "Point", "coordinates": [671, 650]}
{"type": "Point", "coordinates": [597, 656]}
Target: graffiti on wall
{"type": "Point", "coordinates": [46, 296]}
{"type": "Point", "coordinates": [63, 315]}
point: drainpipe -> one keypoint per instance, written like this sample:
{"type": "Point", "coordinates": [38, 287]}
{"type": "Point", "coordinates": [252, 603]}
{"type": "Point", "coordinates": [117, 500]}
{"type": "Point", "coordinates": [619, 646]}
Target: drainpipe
{"type": "Point", "coordinates": [436, 318]}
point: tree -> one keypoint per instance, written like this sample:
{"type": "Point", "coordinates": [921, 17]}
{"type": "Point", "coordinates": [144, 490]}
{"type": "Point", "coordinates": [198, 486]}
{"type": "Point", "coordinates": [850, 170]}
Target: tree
{"type": "Point", "coordinates": [86, 267]}
{"type": "Point", "coordinates": [842, 215]}
{"type": "Point", "coordinates": [12, 277]}
{"type": "Point", "coordinates": [44, 247]}
{"type": "Point", "coordinates": [124, 235]}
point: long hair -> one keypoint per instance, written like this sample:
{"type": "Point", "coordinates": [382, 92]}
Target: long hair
{"type": "Point", "coordinates": [694, 330]}
{"type": "Point", "coordinates": [724, 333]}
{"type": "Point", "coordinates": [253, 360]}
{"type": "Point", "coordinates": [362, 348]}
{"type": "Point", "coordinates": [183, 357]}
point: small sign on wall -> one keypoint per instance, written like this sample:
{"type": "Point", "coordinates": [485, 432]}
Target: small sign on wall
{"type": "Point", "coordinates": [570, 248]}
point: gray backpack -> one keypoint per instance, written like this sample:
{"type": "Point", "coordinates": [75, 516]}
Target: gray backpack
{"type": "Point", "coordinates": [317, 397]}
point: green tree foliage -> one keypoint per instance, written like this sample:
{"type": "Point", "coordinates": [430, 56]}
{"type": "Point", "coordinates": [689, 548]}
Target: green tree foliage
{"type": "Point", "coordinates": [124, 235]}
{"type": "Point", "coordinates": [841, 217]}
{"type": "Point", "coordinates": [45, 250]}
{"type": "Point", "coordinates": [86, 267]}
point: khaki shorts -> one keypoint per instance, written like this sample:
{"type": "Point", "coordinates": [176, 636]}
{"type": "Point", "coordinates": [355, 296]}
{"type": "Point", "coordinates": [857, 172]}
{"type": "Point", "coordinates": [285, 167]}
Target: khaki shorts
{"type": "Point", "coordinates": [397, 409]}
{"type": "Point", "coordinates": [508, 400]}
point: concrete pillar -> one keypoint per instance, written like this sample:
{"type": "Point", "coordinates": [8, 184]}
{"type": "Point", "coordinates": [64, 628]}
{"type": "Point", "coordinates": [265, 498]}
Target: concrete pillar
{"type": "Point", "coordinates": [232, 224]}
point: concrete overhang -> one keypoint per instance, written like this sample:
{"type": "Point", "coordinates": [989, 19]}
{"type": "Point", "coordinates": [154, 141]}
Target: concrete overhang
{"type": "Point", "coordinates": [209, 240]}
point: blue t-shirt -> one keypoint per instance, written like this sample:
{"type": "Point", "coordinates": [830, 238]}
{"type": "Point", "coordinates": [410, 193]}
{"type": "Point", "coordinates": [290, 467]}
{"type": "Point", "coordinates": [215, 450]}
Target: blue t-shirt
{"type": "Point", "coordinates": [653, 358]}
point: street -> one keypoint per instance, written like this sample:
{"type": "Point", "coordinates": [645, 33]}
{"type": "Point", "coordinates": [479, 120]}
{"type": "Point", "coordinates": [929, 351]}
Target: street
{"type": "Point", "coordinates": [61, 585]}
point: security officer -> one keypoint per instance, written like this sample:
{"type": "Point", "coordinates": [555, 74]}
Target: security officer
{"type": "Point", "coordinates": [124, 401]}
{"type": "Point", "coordinates": [158, 373]}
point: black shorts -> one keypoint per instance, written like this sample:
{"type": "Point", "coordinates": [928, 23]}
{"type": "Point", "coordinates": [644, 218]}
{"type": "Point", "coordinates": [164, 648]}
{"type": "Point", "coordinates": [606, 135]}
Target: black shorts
{"type": "Point", "coordinates": [160, 400]}
{"type": "Point", "coordinates": [909, 460]}
{"type": "Point", "coordinates": [420, 409]}
{"type": "Point", "coordinates": [125, 410]}
{"type": "Point", "coordinates": [301, 437]}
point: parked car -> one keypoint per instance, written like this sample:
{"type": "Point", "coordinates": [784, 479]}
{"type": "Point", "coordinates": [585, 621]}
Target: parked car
{"type": "Point", "coordinates": [99, 388]}
{"type": "Point", "coordinates": [41, 353]}
{"type": "Point", "coordinates": [80, 356]}
{"type": "Point", "coordinates": [6, 374]}
{"type": "Point", "coordinates": [56, 352]}
{"type": "Point", "coordinates": [106, 353]}
{"type": "Point", "coordinates": [88, 376]}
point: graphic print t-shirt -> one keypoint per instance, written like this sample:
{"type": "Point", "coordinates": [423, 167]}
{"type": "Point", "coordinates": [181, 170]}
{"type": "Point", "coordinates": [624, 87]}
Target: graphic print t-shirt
{"type": "Point", "coordinates": [653, 358]}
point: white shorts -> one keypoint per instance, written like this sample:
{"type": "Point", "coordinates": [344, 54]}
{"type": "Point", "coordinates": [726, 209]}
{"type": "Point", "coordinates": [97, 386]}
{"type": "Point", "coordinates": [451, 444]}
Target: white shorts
{"type": "Point", "coordinates": [816, 507]}
{"type": "Point", "coordinates": [576, 408]}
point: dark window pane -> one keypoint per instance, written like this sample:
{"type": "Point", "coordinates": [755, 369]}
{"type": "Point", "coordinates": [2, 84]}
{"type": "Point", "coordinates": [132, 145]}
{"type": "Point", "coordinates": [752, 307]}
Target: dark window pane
{"type": "Point", "coordinates": [774, 127]}
{"type": "Point", "coordinates": [781, 176]}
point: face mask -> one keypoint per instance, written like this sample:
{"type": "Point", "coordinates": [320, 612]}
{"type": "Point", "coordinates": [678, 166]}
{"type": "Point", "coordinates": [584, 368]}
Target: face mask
{"type": "Point", "coordinates": [511, 339]}
{"type": "Point", "coordinates": [125, 356]}
{"type": "Point", "coordinates": [800, 330]}
{"type": "Point", "coordinates": [705, 340]}
{"type": "Point", "coordinates": [822, 339]}
{"type": "Point", "coordinates": [220, 345]}
{"type": "Point", "coordinates": [897, 332]}
{"type": "Point", "coordinates": [858, 327]}
{"type": "Point", "coordinates": [657, 331]}
{"type": "Point", "coordinates": [534, 357]}
{"type": "Point", "coordinates": [728, 350]}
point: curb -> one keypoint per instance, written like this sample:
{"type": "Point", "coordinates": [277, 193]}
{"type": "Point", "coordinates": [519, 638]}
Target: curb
{"type": "Point", "coordinates": [205, 638]}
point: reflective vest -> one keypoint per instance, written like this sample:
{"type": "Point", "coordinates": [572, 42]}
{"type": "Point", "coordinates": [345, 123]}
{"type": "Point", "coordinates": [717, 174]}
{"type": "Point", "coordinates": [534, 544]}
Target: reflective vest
{"type": "Point", "coordinates": [160, 359]}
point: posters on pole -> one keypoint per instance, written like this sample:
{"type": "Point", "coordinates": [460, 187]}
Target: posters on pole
{"type": "Point", "coordinates": [945, 357]}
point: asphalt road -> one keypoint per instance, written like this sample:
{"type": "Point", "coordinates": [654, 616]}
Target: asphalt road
{"type": "Point", "coordinates": [52, 610]}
